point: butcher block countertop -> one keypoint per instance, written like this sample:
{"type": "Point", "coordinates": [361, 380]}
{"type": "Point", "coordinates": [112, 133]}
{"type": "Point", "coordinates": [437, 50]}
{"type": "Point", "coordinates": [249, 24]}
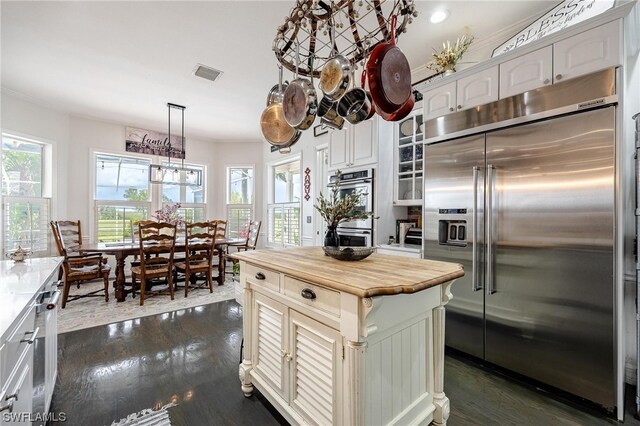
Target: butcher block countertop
{"type": "Point", "coordinates": [377, 275]}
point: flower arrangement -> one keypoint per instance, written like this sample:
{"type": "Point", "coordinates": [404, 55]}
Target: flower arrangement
{"type": "Point", "coordinates": [335, 210]}
{"type": "Point", "coordinates": [169, 213]}
{"type": "Point", "coordinates": [450, 55]}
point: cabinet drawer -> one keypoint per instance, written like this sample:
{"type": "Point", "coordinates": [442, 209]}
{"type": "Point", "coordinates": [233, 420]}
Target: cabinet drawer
{"type": "Point", "coordinates": [16, 344]}
{"type": "Point", "coordinates": [320, 298]}
{"type": "Point", "coordinates": [17, 392]}
{"type": "Point", "coordinates": [262, 276]}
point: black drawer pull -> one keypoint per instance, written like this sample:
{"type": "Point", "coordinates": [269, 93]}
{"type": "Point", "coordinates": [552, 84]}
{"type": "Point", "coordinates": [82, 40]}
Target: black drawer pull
{"type": "Point", "coordinates": [307, 293]}
{"type": "Point", "coordinates": [260, 276]}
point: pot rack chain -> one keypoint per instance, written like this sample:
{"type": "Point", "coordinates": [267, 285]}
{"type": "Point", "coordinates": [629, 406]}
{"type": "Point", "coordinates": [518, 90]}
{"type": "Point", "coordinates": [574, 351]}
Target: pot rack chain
{"type": "Point", "coordinates": [358, 26]}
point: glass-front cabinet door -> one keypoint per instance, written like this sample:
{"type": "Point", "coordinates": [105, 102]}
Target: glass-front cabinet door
{"type": "Point", "coordinates": [408, 160]}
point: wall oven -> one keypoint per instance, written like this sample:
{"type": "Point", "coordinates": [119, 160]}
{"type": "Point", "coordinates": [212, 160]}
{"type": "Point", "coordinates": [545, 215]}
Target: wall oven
{"type": "Point", "coordinates": [356, 232]}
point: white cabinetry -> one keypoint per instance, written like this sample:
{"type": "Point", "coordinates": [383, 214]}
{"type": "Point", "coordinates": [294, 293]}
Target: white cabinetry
{"type": "Point", "coordinates": [467, 92]}
{"type": "Point", "coordinates": [589, 51]}
{"type": "Point", "coordinates": [408, 160]}
{"type": "Point", "coordinates": [526, 72]}
{"type": "Point", "coordinates": [477, 89]}
{"type": "Point", "coordinates": [16, 368]}
{"type": "Point", "coordinates": [439, 101]}
{"type": "Point", "coordinates": [354, 145]}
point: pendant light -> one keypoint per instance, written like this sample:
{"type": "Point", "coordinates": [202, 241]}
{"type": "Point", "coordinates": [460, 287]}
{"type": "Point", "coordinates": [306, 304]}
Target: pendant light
{"type": "Point", "coordinates": [172, 175]}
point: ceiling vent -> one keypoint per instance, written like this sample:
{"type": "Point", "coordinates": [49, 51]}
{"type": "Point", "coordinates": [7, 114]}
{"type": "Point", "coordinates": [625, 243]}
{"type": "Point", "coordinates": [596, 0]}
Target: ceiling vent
{"type": "Point", "coordinates": [207, 72]}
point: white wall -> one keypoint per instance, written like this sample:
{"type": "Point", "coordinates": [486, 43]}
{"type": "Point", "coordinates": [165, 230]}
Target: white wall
{"type": "Point", "coordinates": [306, 147]}
{"type": "Point", "coordinates": [76, 138]}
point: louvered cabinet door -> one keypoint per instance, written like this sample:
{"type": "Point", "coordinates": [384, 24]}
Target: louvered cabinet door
{"type": "Point", "coordinates": [316, 370]}
{"type": "Point", "coordinates": [270, 322]}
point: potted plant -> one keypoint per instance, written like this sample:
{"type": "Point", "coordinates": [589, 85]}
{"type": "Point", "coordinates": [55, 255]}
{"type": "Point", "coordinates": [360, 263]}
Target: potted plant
{"type": "Point", "coordinates": [446, 60]}
{"type": "Point", "coordinates": [335, 210]}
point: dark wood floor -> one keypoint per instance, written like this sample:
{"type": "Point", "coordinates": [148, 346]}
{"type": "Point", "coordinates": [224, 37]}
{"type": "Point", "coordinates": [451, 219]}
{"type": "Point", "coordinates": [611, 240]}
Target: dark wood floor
{"type": "Point", "coordinates": [191, 357]}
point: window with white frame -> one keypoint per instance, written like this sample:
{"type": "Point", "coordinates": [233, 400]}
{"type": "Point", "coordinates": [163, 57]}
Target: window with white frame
{"type": "Point", "coordinates": [26, 210]}
{"type": "Point", "coordinates": [191, 197]}
{"type": "Point", "coordinates": [122, 195]}
{"type": "Point", "coordinates": [284, 210]}
{"type": "Point", "coordinates": [240, 200]}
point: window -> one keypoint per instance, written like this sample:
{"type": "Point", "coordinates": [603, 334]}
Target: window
{"type": "Point", "coordinates": [121, 195]}
{"type": "Point", "coordinates": [190, 197]}
{"type": "Point", "coordinates": [26, 212]}
{"type": "Point", "coordinates": [240, 186]}
{"type": "Point", "coordinates": [284, 211]}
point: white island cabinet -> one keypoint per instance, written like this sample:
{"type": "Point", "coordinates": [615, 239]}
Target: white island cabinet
{"type": "Point", "coordinates": [21, 323]}
{"type": "Point", "coordinates": [345, 343]}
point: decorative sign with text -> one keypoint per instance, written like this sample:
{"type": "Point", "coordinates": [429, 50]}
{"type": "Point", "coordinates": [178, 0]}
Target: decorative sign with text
{"type": "Point", "coordinates": [154, 143]}
{"type": "Point", "coordinates": [564, 15]}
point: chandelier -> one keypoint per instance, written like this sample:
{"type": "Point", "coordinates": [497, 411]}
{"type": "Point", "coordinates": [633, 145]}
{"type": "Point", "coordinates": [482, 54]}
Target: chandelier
{"type": "Point", "coordinates": [177, 173]}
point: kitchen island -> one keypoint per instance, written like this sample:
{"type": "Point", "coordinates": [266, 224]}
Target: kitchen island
{"type": "Point", "coordinates": [335, 342]}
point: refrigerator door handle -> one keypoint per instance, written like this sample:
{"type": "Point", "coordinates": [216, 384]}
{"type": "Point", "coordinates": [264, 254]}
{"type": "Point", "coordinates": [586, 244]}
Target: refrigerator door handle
{"type": "Point", "coordinates": [489, 228]}
{"type": "Point", "coordinates": [474, 235]}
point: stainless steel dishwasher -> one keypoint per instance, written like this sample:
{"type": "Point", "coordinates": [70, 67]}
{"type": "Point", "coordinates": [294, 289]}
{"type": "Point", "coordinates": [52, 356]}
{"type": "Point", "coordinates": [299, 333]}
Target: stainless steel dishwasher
{"type": "Point", "coordinates": [45, 362]}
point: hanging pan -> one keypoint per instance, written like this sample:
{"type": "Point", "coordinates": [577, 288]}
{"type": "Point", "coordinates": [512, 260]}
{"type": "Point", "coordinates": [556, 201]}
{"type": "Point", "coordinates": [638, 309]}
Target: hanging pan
{"type": "Point", "coordinates": [335, 77]}
{"type": "Point", "coordinates": [275, 128]}
{"type": "Point", "coordinates": [300, 103]}
{"type": "Point", "coordinates": [389, 74]}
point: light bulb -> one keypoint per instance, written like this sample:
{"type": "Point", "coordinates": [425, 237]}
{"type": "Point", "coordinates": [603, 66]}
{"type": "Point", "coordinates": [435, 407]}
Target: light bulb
{"type": "Point", "coordinates": [176, 174]}
{"type": "Point", "coordinates": [159, 174]}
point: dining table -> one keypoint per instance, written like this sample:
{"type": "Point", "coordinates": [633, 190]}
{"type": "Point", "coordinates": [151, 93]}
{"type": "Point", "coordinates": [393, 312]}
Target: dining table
{"type": "Point", "coordinates": [121, 250]}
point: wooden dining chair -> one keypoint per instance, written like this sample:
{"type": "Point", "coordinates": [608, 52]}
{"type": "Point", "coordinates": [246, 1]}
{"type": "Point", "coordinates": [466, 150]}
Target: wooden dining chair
{"type": "Point", "coordinates": [157, 246]}
{"type": "Point", "coordinates": [253, 231]}
{"type": "Point", "coordinates": [70, 233]}
{"type": "Point", "coordinates": [199, 247]}
{"type": "Point", "coordinates": [79, 268]}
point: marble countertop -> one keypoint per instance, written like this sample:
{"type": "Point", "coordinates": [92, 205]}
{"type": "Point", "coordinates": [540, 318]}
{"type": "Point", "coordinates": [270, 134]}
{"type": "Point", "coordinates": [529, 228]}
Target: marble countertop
{"type": "Point", "coordinates": [19, 285]}
{"type": "Point", "coordinates": [414, 248]}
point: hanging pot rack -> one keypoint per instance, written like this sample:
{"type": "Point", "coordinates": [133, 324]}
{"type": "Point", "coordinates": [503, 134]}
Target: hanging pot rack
{"type": "Point", "coordinates": [358, 26]}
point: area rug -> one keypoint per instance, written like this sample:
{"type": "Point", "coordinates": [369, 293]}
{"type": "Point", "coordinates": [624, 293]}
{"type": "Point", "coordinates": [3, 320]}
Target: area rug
{"type": "Point", "coordinates": [93, 311]}
{"type": "Point", "coordinates": [148, 417]}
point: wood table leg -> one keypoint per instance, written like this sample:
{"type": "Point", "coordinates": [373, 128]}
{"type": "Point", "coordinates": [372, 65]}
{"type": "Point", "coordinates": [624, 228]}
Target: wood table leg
{"type": "Point", "coordinates": [121, 295]}
{"type": "Point", "coordinates": [221, 266]}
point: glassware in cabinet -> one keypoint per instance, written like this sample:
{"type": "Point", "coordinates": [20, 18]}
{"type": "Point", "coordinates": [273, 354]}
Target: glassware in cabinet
{"type": "Point", "coordinates": [408, 160]}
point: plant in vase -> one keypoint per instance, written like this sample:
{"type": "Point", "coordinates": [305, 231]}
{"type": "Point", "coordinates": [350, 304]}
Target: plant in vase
{"type": "Point", "coordinates": [446, 60]}
{"type": "Point", "coordinates": [170, 213]}
{"type": "Point", "coordinates": [335, 210]}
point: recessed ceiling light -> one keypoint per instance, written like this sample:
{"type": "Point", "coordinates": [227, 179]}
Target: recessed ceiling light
{"type": "Point", "coordinates": [439, 16]}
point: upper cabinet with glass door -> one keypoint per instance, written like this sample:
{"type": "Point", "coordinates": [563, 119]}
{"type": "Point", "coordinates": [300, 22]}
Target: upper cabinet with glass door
{"type": "Point", "coordinates": [408, 160]}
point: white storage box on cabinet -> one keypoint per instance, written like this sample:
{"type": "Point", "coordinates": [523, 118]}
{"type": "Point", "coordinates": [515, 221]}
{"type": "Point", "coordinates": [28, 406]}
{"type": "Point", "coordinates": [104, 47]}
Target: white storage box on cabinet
{"type": "Point", "coordinates": [354, 145]}
{"type": "Point", "coordinates": [526, 72]}
{"type": "Point", "coordinates": [589, 51]}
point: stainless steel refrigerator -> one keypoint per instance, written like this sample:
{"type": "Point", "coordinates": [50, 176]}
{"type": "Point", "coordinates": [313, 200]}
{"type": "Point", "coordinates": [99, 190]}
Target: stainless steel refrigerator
{"type": "Point", "coordinates": [529, 211]}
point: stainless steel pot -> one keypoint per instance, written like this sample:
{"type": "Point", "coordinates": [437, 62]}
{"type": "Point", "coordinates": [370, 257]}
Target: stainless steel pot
{"type": "Point", "coordinates": [329, 115]}
{"type": "Point", "coordinates": [356, 105]}
{"type": "Point", "coordinates": [300, 103]}
{"type": "Point", "coordinates": [335, 77]}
